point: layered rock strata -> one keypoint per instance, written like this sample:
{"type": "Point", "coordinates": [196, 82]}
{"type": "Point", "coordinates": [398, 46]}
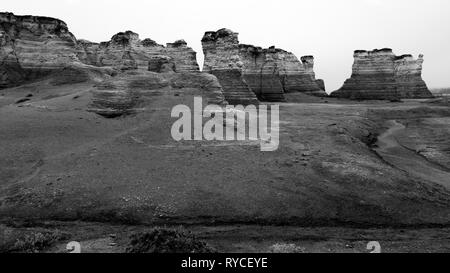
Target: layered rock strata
{"type": "Point", "coordinates": [380, 74]}
{"type": "Point", "coordinates": [161, 64]}
{"type": "Point", "coordinates": [268, 73]}
{"type": "Point", "coordinates": [125, 51]}
{"type": "Point", "coordinates": [129, 92]}
{"type": "Point", "coordinates": [185, 58]}
{"type": "Point", "coordinates": [321, 84]}
{"type": "Point", "coordinates": [408, 76]}
{"type": "Point", "coordinates": [32, 47]}
{"type": "Point", "coordinates": [221, 50]}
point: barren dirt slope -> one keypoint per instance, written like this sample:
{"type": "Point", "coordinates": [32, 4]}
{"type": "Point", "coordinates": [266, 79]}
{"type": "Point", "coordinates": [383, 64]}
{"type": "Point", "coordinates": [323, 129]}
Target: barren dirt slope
{"type": "Point", "coordinates": [59, 161]}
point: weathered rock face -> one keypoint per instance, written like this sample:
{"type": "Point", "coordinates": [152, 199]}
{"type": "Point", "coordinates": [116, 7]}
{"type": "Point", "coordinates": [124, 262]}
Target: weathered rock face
{"type": "Point", "coordinates": [321, 84]}
{"type": "Point", "coordinates": [131, 91]}
{"type": "Point", "coordinates": [185, 58]}
{"type": "Point", "coordinates": [208, 84]}
{"type": "Point", "coordinates": [126, 51]}
{"type": "Point", "coordinates": [222, 59]}
{"type": "Point", "coordinates": [269, 73]}
{"type": "Point", "coordinates": [161, 64]}
{"type": "Point", "coordinates": [379, 74]}
{"type": "Point", "coordinates": [306, 81]}
{"type": "Point", "coordinates": [261, 72]}
{"type": "Point", "coordinates": [408, 76]}
{"type": "Point", "coordinates": [32, 47]}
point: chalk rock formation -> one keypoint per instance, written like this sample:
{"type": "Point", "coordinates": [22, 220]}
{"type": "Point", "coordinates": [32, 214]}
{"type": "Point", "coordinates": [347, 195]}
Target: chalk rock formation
{"type": "Point", "coordinates": [379, 74]}
{"type": "Point", "coordinates": [321, 84]}
{"type": "Point", "coordinates": [185, 58]}
{"type": "Point", "coordinates": [208, 84]}
{"type": "Point", "coordinates": [222, 59]}
{"type": "Point", "coordinates": [161, 64]}
{"type": "Point", "coordinates": [32, 47]}
{"type": "Point", "coordinates": [306, 81]}
{"type": "Point", "coordinates": [408, 76]}
{"type": "Point", "coordinates": [126, 51]}
{"type": "Point", "coordinates": [269, 73]}
{"type": "Point", "coordinates": [131, 91]}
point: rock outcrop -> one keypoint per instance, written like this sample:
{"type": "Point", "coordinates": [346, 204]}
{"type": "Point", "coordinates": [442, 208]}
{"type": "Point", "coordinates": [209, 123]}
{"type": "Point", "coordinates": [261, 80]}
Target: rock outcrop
{"type": "Point", "coordinates": [161, 64]}
{"type": "Point", "coordinates": [306, 81]}
{"type": "Point", "coordinates": [321, 84]}
{"type": "Point", "coordinates": [268, 73]}
{"type": "Point", "coordinates": [221, 50]}
{"type": "Point", "coordinates": [126, 51]}
{"type": "Point", "coordinates": [131, 91]}
{"type": "Point", "coordinates": [408, 76]}
{"type": "Point", "coordinates": [185, 58]}
{"type": "Point", "coordinates": [380, 74]}
{"type": "Point", "coordinates": [32, 47]}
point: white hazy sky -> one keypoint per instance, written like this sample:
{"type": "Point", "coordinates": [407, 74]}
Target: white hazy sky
{"type": "Point", "coordinates": [328, 29]}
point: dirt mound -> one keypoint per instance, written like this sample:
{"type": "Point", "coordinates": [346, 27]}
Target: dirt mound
{"type": "Point", "coordinates": [128, 93]}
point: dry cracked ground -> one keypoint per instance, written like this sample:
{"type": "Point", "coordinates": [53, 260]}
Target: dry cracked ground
{"type": "Point", "coordinates": [345, 173]}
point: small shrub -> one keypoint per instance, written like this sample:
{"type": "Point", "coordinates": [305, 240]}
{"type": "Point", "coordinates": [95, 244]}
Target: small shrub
{"type": "Point", "coordinates": [166, 241]}
{"type": "Point", "coordinates": [35, 242]}
{"type": "Point", "coordinates": [286, 248]}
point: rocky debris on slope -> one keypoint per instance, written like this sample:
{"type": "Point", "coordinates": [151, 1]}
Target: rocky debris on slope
{"type": "Point", "coordinates": [379, 74]}
{"type": "Point", "coordinates": [125, 51]}
{"type": "Point", "coordinates": [127, 92]}
{"type": "Point", "coordinates": [269, 73]}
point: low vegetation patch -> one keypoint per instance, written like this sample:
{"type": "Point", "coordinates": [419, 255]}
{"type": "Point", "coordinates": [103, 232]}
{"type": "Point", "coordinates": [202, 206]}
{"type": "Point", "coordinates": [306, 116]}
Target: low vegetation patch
{"type": "Point", "coordinates": [30, 241]}
{"type": "Point", "coordinates": [161, 240]}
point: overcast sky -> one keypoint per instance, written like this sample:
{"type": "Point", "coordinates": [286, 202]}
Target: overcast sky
{"type": "Point", "coordinates": [328, 29]}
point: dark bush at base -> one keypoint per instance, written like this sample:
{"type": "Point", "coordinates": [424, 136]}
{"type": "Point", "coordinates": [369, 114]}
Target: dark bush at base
{"type": "Point", "coordinates": [166, 241]}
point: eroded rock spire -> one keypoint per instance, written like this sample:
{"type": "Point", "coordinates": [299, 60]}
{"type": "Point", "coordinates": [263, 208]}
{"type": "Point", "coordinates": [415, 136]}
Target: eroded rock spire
{"type": "Point", "coordinates": [380, 74]}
